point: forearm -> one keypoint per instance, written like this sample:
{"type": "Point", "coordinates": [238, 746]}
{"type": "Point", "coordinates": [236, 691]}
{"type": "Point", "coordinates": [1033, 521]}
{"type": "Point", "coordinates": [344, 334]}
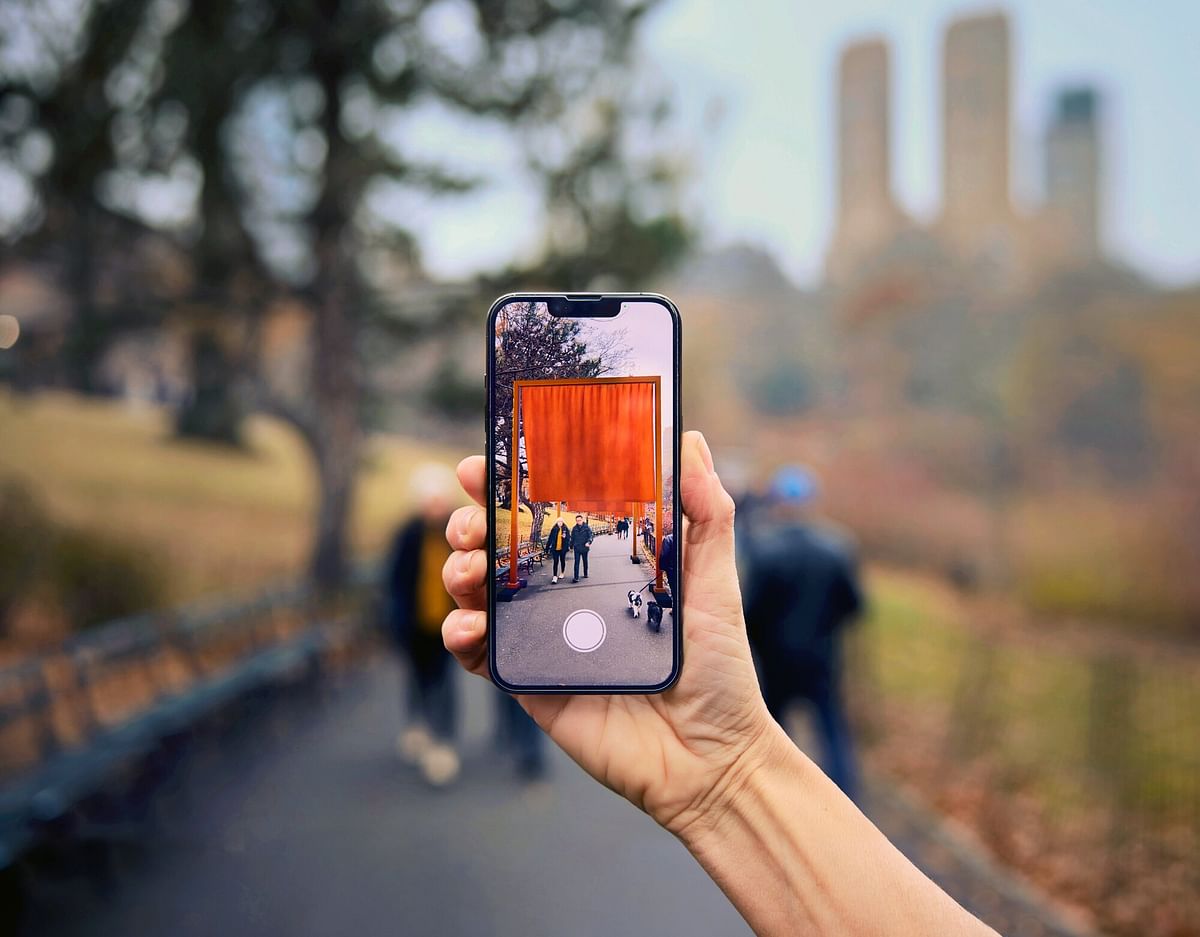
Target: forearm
{"type": "Point", "coordinates": [795, 856]}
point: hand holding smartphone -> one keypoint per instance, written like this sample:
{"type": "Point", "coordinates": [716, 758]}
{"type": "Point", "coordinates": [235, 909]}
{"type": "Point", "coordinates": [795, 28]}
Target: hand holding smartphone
{"type": "Point", "coordinates": [583, 424]}
{"type": "Point", "coordinates": [704, 759]}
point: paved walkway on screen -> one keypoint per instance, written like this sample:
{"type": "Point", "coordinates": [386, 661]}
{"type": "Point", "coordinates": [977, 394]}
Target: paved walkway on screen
{"type": "Point", "coordinates": [531, 625]}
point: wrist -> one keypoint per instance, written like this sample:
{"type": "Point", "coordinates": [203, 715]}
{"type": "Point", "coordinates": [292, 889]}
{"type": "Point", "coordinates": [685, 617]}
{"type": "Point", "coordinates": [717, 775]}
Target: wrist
{"type": "Point", "coordinates": [768, 748]}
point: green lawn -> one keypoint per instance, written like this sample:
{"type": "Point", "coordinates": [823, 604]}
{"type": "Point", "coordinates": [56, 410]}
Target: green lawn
{"type": "Point", "coordinates": [1053, 718]}
{"type": "Point", "coordinates": [222, 519]}
{"type": "Point", "coordinates": [504, 524]}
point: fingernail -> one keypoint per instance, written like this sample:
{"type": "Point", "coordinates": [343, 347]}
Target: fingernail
{"type": "Point", "coordinates": [464, 561]}
{"type": "Point", "coordinates": [464, 525]}
{"type": "Point", "coordinates": [705, 452]}
{"type": "Point", "coordinates": [469, 624]}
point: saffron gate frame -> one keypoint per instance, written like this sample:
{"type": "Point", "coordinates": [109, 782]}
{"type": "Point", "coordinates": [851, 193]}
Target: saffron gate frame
{"type": "Point", "coordinates": [514, 582]}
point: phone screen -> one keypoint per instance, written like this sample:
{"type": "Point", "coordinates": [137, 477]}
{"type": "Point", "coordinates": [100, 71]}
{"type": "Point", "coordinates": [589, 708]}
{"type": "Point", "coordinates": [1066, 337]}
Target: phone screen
{"type": "Point", "coordinates": [582, 426]}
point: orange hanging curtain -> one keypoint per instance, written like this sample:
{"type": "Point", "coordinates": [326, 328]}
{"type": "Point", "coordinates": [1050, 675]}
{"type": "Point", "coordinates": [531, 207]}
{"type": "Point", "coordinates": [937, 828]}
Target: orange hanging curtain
{"type": "Point", "coordinates": [589, 441]}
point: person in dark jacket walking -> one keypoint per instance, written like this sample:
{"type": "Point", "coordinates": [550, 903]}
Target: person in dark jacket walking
{"type": "Point", "coordinates": [800, 589]}
{"type": "Point", "coordinates": [415, 604]}
{"type": "Point", "coordinates": [518, 733]}
{"type": "Point", "coordinates": [558, 542]}
{"type": "Point", "coordinates": [581, 542]}
{"type": "Point", "coordinates": [667, 559]}
{"type": "Point", "coordinates": [648, 535]}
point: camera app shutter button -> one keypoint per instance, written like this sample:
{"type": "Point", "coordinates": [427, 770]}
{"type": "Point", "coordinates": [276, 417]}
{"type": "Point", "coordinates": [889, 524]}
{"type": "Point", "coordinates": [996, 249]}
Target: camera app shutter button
{"type": "Point", "coordinates": [584, 630]}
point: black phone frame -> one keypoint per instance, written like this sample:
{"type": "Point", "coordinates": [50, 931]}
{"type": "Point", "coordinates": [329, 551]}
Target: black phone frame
{"type": "Point", "coordinates": [604, 304]}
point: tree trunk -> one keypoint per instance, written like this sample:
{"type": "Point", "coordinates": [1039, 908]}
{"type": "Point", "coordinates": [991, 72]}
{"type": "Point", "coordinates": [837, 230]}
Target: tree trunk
{"type": "Point", "coordinates": [335, 494]}
{"type": "Point", "coordinates": [337, 439]}
{"type": "Point", "coordinates": [84, 339]}
{"type": "Point", "coordinates": [539, 516]}
{"type": "Point", "coordinates": [211, 411]}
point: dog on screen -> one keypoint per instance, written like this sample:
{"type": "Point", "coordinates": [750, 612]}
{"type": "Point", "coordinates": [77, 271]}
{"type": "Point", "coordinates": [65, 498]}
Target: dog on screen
{"type": "Point", "coordinates": [654, 616]}
{"type": "Point", "coordinates": [635, 602]}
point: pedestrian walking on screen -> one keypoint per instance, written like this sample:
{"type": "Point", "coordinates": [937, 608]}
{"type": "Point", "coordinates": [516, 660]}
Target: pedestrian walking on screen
{"type": "Point", "coordinates": [667, 559]}
{"type": "Point", "coordinates": [416, 603]}
{"type": "Point", "coordinates": [581, 542]}
{"type": "Point", "coordinates": [800, 589]}
{"type": "Point", "coordinates": [558, 542]}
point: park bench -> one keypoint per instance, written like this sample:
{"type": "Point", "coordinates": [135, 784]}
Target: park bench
{"type": "Point", "coordinates": [113, 708]}
{"type": "Point", "coordinates": [529, 554]}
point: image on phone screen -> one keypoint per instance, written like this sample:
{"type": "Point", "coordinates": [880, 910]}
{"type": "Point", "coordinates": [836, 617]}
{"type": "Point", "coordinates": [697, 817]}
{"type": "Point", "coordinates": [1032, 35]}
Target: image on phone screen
{"type": "Point", "coordinates": [583, 445]}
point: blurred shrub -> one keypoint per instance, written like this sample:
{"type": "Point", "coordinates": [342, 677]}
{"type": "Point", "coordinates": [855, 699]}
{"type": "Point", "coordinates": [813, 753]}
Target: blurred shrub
{"type": "Point", "coordinates": [1117, 556]}
{"type": "Point", "coordinates": [453, 394]}
{"type": "Point", "coordinates": [902, 514]}
{"type": "Point", "coordinates": [781, 389]}
{"type": "Point", "coordinates": [54, 573]}
{"type": "Point", "coordinates": [24, 545]}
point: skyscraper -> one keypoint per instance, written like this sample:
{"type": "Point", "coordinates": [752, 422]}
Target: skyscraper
{"type": "Point", "coordinates": [1073, 176]}
{"type": "Point", "coordinates": [866, 213]}
{"type": "Point", "coordinates": [976, 130]}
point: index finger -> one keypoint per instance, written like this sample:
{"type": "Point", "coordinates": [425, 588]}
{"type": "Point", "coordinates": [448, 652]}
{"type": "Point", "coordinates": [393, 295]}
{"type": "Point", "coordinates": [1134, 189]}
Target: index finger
{"type": "Point", "coordinates": [472, 476]}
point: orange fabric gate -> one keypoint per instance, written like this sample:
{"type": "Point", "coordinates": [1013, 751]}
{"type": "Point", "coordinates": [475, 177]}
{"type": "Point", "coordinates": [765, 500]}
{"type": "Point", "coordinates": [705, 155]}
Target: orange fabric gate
{"type": "Point", "coordinates": [589, 442]}
{"type": "Point", "coordinates": [592, 441]}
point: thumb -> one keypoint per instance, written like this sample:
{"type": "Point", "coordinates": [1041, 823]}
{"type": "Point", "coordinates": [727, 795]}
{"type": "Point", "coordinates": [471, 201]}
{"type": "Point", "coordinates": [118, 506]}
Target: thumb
{"type": "Point", "coordinates": [707, 505]}
{"type": "Point", "coordinates": [710, 565]}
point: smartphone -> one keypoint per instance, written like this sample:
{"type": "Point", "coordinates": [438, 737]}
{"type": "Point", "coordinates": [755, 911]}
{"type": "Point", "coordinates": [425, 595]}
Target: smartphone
{"type": "Point", "coordinates": [582, 447]}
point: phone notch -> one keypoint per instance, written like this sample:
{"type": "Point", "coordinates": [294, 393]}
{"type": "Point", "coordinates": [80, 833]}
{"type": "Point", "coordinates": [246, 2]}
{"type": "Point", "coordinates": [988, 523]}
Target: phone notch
{"type": "Point", "coordinates": [584, 306]}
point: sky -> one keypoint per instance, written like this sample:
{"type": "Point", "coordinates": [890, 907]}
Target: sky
{"type": "Point", "coordinates": [754, 88]}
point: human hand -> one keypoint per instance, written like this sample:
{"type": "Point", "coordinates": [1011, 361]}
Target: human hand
{"type": "Point", "coordinates": [677, 754]}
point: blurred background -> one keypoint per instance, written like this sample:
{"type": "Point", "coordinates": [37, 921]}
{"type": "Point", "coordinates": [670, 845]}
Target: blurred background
{"type": "Point", "coordinates": [944, 256]}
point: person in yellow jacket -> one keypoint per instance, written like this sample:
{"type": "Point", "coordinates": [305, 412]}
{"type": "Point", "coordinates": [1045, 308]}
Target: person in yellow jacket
{"type": "Point", "coordinates": [558, 541]}
{"type": "Point", "coordinates": [416, 602]}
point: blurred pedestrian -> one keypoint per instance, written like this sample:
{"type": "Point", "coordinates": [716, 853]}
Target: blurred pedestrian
{"type": "Point", "coordinates": [416, 604]}
{"type": "Point", "coordinates": [521, 734]}
{"type": "Point", "coordinates": [800, 589]}
{"type": "Point", "coordinates": [558, 541]}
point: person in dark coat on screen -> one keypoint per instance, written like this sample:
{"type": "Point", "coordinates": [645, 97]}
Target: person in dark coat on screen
{"type": "Point", "coordinates": [800, 588]}
{"type": "Point", "coordinates": [667, 558]}
{"type": "Point", "coordinates": [581, 542]}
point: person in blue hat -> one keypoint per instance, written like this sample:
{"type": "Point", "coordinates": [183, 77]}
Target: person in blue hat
{"type": "Point", "coordinates": [800, 588]}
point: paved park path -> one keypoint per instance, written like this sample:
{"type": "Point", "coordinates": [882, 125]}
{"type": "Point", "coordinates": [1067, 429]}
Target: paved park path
{"type": "Point", "coordinates": [304, 823]}
{"type": "Point", "coordinates": [533, 622]}
{"type": "Point", "coordinates": [308, 825]}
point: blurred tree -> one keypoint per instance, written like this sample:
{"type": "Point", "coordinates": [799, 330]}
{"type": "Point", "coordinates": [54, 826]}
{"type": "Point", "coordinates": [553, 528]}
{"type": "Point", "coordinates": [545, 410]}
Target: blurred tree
{"type": "Point", "coordinates": [231, 283]}
{"type": "Point", "coordinates": [272, 138]}
{"type": "Point", "coordinates": [57, 109]}
{"type": "Point", "coordinates": [782, 388]}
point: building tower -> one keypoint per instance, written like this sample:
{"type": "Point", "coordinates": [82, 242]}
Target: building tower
{"type": "Point", "coordinates": [866, 214]}
{"type": "Point", "coordinates": [976, 131]}
{"type": "Point", "coordinates": [1073, 176]}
